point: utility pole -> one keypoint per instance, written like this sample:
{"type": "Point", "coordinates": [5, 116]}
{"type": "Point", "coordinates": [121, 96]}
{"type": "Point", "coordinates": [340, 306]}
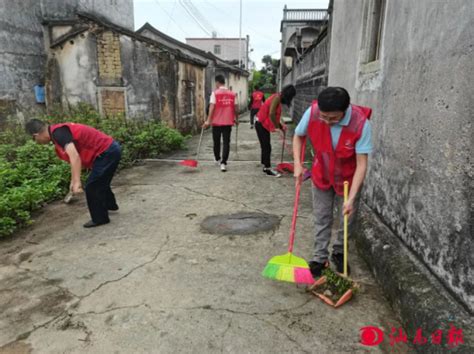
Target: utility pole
{"type": "Point", "coordinates": [247, 54]}
{"type": "Point", "coordinates": [240, 37]}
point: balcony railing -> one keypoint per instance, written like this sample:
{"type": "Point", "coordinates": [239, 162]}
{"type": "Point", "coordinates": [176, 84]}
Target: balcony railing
{"type": "Point", "coordinates": [304, 14]}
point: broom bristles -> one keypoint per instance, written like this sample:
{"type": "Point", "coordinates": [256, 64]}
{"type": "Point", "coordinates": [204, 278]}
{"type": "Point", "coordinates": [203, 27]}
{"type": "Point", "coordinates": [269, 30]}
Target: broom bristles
{"type": "Point", "coordinates": [189, 163]}
{"type": "Point", "coordinates": [288, 273]}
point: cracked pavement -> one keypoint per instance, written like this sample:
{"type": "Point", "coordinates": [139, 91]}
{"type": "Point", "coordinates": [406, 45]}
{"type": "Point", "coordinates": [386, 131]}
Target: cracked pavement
{"type": "Point", "coordinates": [154, 281]}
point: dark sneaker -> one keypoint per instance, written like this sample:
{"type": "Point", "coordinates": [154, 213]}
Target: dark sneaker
{"type": "Point", "coordinates": [90, 224]}
{"type": "Point", "coordinates": [271, 172]}
{"type": "Point", "coordinates": [251, 127]}
{"type": "Point", "coordinates": [338, 260]}
{"type": "Point", "coordinates": [317, 268]}
{"type": "Point", "coordinates": [113, 208]}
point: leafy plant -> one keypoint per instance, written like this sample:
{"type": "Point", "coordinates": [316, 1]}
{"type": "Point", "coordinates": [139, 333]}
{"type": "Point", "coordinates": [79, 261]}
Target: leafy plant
{"type": "Point", "coordinates": [31, 174]}
{"type": "Point", "coordinates": [337, 284]}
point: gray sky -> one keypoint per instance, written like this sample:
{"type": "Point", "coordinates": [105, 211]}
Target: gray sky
{"type": "Point", "coordinates": [260, 20]}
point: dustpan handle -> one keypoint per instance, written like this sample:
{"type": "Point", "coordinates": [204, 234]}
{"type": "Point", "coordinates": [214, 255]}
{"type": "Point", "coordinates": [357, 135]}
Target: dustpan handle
{"type": "Point", "coordinates": [283, 146]}
{"type": "Point", "coordinates": [346, 192]}
{"type": "Point", "coordinates": [297, 200]}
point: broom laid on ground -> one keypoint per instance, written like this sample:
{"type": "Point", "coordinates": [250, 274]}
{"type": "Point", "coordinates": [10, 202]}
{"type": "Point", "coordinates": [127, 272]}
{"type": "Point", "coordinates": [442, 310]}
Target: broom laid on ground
{"type": "Point", "coordinates": [193, 163]}
{"type": "Point", "coordinates": [288, 267]}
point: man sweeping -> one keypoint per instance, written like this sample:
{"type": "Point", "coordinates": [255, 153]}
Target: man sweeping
{"type": "Point", "coordinates": [340, 134]}
{"type": "Point", "coordinates": [222, 116]}
{"type": "Point", "coordinates": [268, 120]}
{"type": "Point", "coordinates": [84, 148]}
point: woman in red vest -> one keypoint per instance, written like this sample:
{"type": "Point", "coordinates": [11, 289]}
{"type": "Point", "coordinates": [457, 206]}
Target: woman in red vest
{"type": "Point", "coordinates": [340, 134]}
{"type": "Point", "coordinates": [222, 116]}
{"type": "Point", "coordinates": [268, 121]}
{"type": "Point", "coordinates": [256, 101]}
{"type": "Point", "coordinates": [84, 147]}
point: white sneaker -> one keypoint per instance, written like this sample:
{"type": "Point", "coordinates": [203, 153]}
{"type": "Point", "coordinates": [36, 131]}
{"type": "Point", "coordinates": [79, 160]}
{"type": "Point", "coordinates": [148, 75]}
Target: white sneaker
{"type": "Point", "coordinates": [271, 172]}
{"type": "Point", "coordinates": [223, 167]}
{"type": "Point", "coordinates": [217, 162]}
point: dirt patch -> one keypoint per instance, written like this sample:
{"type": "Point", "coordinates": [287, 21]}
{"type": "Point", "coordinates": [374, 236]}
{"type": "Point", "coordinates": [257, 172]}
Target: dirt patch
{"type": "Point", "coordinates": [16, 348]}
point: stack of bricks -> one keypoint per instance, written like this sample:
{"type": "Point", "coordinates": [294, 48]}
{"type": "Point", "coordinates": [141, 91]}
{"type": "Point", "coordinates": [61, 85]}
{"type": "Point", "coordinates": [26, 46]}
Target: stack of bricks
{"type": "Point", "coordinates": [110, 65]}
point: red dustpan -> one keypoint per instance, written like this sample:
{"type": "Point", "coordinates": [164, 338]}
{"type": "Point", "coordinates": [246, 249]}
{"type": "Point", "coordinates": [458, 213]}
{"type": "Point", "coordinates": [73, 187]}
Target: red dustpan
{"type": "Point", "coordinates": [193, 163]}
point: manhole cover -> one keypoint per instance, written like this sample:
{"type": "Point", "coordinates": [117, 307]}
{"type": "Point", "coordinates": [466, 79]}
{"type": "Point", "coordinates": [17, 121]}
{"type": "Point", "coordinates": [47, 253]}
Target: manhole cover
{"type": "Point", "coordinates": [240, 223]}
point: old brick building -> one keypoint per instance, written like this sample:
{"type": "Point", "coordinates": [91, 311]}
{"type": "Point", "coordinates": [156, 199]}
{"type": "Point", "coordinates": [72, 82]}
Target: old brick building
{"type": "Point", "coordinates": [118, 71]}
{"type": "Point", "coordinates": [87, 52]}
{"type": "Point", "coordinates": [24, 45]}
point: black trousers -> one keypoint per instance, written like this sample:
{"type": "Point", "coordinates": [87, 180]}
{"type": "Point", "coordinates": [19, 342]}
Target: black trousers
{"type": "Point", "coordinates": [217, 132]}
{"type": "Point", "coordinates": [99, 195]}
{"type": "Point", "coordinates": [265, 145]}
{"type": "Point", "coordinates": [253, 112]}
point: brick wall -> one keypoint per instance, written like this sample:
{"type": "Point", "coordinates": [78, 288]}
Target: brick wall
{"type": "Point", "coordinates": [307, 92]}
{"type": "Point", "coordinates": [112, 102]}
{"type": "Point", "coordinates": [110, 65]}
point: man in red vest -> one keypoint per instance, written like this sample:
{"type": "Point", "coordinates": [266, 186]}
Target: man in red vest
{"type": "Point", "coordinates": [268, 121]}
{"type": "Point", "coordinates": [340, 134]}
{"type": "Point", "coordinates": [222, 116]}
{"type": "Point", "coordinates": [256, 101]}
{"type": "Point", "coordinates": [84, 147]}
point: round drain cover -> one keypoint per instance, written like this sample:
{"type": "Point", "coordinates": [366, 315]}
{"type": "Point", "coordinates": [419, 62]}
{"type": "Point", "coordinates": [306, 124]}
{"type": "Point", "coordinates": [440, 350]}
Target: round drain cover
{"type": "Point", "coordinates": [240, 223]}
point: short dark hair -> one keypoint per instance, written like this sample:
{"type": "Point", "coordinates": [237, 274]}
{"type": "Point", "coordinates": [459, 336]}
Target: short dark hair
{"type": "Point", "coordinates": [287, 94]}
{"type": "Point", "coordinates": [35, 126]}
{"type": "Point", "coordinates": [256, 88]}
{"type": "Point", "coordinates": [220, 79]}
{"type": "Point", "coordinates": [333, 99]}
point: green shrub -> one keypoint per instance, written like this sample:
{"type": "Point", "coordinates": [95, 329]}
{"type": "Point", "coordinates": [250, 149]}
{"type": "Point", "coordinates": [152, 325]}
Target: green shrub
{"type": "Point", "coordinates": [31, 175]}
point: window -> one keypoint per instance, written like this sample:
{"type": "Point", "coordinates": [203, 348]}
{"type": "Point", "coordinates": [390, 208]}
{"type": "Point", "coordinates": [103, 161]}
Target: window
{"type": "Point", "coordinates": [217, 49]}
{"type": "Point", "coordinates": [374, 19]}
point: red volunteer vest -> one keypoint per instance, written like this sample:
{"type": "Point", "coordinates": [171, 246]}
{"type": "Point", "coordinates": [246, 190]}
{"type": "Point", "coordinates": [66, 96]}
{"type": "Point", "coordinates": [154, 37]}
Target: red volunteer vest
{"type": "Point", "coordinates": [89, 142]}
{"type": "Point", "coordinates": [264, 114]}
{"type": "Point", "coordinates": [224, 111]}
{"type": "Point", "coordinates": [257, 97]}
{"type": "Point", "coordinates": [331, 167]}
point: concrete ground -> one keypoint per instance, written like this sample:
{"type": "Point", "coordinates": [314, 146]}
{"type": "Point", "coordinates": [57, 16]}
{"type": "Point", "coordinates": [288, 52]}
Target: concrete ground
{"type": "Point", "coordinates": [154, 281]}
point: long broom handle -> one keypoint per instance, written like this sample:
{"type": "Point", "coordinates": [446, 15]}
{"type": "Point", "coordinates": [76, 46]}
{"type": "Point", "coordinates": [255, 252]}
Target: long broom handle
{"type": "Point", "coordinates": [346, 192]}
{"type": "Point", "coordinates": [199, 145]}
{"type": "Point", "coordinates": [236, 137]}
{"type": "Point", "coordinates": [297, 200]}
{"type": "Point", "coordinates": [283, 146]}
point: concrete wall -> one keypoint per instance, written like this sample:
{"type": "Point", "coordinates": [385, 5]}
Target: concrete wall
{"type": "Point", "coordinates": [77, 73]}
{"type": "Point", "coordinates": [22, 57]}
{"type": "Point", "coordinates": [420, 176]}
{"type": "Point", "coordinates": [239, 85]}
{"type": "Point", "coordinates": [119, 12]}
{"type": "Point", "coordinates": [140, 78]}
